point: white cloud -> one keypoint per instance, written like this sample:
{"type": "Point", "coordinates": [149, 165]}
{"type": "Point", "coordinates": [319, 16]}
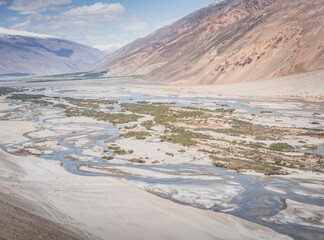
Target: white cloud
{"type": "Point", "coordinates": [135, 25]}
{"type": "Point", "coordinates": [3, 2]}
{"type": "Point", "coordinates": [73, 21]}
{"type": "Point", "coordinates": [96, 12]}
{"type": "Point", "coordinates": [164, 23]}
{"type": "Point", "coordinates": [109, 48]}
{"type": "Point", "coordinates": [88, 24]}
{"type": "Point", "coordinates": [23, 25]}
{"type": "Point", "coordinates": [35, 6]}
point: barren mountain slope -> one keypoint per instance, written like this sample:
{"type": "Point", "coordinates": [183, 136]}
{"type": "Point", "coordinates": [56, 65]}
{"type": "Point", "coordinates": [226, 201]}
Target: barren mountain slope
{"type": "Point", "coordinates": [233, 41]}
{"type": "Point", "coordinates": [25, 53]}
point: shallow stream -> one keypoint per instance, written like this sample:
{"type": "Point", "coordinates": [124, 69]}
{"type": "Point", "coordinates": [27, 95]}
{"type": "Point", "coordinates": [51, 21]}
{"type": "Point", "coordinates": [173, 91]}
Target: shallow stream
{"type": "Point", "coordinates": [248, 197]}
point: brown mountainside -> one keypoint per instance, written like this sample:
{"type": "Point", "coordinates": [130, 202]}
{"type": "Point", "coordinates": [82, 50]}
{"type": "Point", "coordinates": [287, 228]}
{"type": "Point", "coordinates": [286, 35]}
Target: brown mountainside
{"type": "Point", "coordinates": [233, 41]}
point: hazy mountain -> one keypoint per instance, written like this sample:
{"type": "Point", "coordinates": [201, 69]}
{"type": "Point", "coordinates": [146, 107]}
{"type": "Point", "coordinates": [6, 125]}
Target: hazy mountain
{"type": "Point", "coordinates": [23, 53]}
{"type": "Point", "coordinates": [229, 41]}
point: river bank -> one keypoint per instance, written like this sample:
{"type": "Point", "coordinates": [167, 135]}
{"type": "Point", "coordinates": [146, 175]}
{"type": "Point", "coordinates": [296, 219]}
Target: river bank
{"type": "Point", "coordinates": [117, 137]}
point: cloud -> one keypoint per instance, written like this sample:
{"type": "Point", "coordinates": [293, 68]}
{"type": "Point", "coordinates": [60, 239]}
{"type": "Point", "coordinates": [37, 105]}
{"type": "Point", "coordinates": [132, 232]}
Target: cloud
{"type": "Point", "coordinates": [73, 21]}
{"type": "Point", "coordinates": [2, 2]}
{"type": "Point", "coordinates": [87, 24]}
{"type": "Point", "coordinates": [164, 23]}
{"type": "Point", "coordinates": [109, 48]}
{"type": "Point", "coordinates": [25, 25]}
{"type": "Point", "coordinates": [35, 6]}
{"type": "Point", "coordinates": [96, 12]}
{"type": "Point", "coordinates": [135, 25]}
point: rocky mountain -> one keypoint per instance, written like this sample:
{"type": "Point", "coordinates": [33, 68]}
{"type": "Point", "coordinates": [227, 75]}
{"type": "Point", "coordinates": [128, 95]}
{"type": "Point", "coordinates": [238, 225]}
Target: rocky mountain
{"type": "Point", "coordinates": [24, 53]}
{"type": "Point", "coordinates": [229, 41]}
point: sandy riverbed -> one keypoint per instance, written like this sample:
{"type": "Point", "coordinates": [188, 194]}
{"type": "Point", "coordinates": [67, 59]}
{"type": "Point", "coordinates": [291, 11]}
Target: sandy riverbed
{"type": "Point", "coordinates": [104, 208]}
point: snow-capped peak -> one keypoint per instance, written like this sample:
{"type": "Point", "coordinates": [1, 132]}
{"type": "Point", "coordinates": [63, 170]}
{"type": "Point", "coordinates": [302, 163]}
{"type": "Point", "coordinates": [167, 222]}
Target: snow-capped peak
{"type": "Point", "coordinates": [10, 32]}
{"type": "Point", "coordinates": [217, 2]}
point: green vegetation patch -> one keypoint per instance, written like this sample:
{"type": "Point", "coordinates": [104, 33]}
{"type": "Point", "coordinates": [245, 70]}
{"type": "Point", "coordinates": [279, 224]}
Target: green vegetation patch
{"type": "Point", "coordinates": [108, 158]}
{"type": "Point", "coordinates": [190, 114]}
{"type": "Point", "coordinates": [7, 90]}
{"type": "Point", "coordinates": [136, 160]}
{"type": "Point", "coordinates": [239, 165]}
{"type": "Point", "coordinates": [169, 154]}
{"type": "Point", "coordinates": [238, 122]}
{"type": "Point", "coordinates": [225, 110]}
{"type": "Point", "coordinates": [138, 135]}
{"type": "Point", "coordinates": [26, 97]}
{"type": "Point", "coordinates": [88, 103]}
{"type": "Point", "coordinates": [143, 102]}
{"type": "Point", "coordinates": [148, 124]}
{"type": "Point", "coordinates": [60, 105]}
{"type": "Point", "coordinates": [37, 99]}
{"type": "Point", "coordinates": [115, 118]}
{"type": "Point", "coordinates": [130, 127]}
{"type": "Point", "coordinates": [282, 147]}
{"type": "Point", "coordinates": [164, 103]}
{"type": "Point", "coordinates": [183, 137]}
{"type": "Point", "coordinates": [119, 151]}
{"type": "Point", "coordinates": [89, 108]}
{"type": "Point", "coordinates": [263, 138]}
{"type": "Point", "coordinates": [256, 145]}
{"type": "Point", "coordinates": [42, 102]}
{"type": "Point", "coordinates": [162, 114]}
{"type": "Point", "coordinates": [239, 127]}
{"type": "Point", "coordinates": [235, 131]}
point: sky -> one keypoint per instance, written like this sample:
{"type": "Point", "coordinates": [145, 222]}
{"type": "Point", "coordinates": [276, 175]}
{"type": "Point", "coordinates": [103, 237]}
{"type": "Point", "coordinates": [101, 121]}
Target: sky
{"type": "Point", "coordinates": [106, 25]}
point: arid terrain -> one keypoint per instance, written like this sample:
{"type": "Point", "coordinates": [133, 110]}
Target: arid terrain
{"type": "Point", "coordinates": [235, 41]}
{"type": "Point", "coordinates": [211, 127]}
{"type": "Point", "coordinates": [156, 157]}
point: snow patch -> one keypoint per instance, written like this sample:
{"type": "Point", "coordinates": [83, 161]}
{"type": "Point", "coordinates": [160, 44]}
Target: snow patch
{"type": "Point", "coordinates": [10, 32]}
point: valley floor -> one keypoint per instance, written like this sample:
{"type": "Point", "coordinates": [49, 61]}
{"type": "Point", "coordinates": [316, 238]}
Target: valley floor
{"type": "Point", "coordinates": [39, 198]}
{"type": "Point", "coordinates": [102, 158]}
{"type": "Point", "coordinates": [306, 86]}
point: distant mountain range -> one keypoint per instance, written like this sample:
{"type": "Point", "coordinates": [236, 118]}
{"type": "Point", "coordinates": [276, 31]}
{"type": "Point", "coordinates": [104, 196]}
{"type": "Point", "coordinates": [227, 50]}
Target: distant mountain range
{"type": "Point", "coordinates": [24, 53]}
{"type": "Point", "coordinates": [227, 42]}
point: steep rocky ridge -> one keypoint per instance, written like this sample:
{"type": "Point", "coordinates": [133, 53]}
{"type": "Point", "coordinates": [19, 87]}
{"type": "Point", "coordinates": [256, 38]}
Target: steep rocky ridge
{"type": "Point", "coordinates": [233, 41]}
